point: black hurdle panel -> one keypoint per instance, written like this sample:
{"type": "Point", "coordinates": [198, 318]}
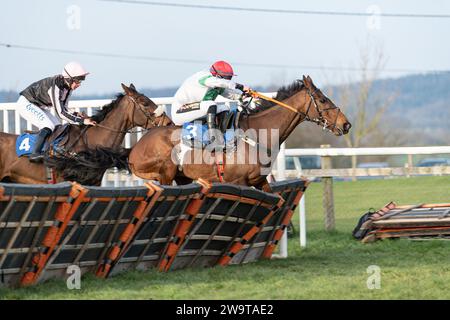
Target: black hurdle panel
{"type": "Point", "coordinates": [291, 191]}
{"type": "Point", "coordinates": [27, 214]}
{"type": "Point", "coordinates": [95, 227]}
{"type": "Point", "coordinates": [158, 230]}
{"type": "Point", "coordinates": [265, 241]}
{"type": "Point", "coordinates": [228, 213]}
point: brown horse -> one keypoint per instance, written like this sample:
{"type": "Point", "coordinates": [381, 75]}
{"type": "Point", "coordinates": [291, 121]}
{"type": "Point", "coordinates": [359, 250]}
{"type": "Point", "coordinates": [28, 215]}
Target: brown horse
{"type": "Point", "coordinates": [151, 158]}
{"type": "Point", "coordinates": [127, 111]}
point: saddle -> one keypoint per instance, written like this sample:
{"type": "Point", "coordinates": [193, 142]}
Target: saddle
{"type": "Point", "coordinates": [195, 134]}
{"type": "Point", "coordinates": [56, 141]}
{"type": "Point", "coordinates": [59, 138]}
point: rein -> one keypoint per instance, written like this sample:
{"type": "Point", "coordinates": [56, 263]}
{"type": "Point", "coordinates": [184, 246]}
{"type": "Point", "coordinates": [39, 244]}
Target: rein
{"type": "Point", "coordinates": [148, 115]}
{"type": "Point", "coordinates": [320, 120]}
{"type": "Point", "coordinates": [282, 104]}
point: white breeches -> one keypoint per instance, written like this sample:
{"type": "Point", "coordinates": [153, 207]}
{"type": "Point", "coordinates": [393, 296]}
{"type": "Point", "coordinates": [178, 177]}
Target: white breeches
{"type": "Point", "coordinates": [180, 118]}
{"type": "Point", "coordinates": [39, 117]}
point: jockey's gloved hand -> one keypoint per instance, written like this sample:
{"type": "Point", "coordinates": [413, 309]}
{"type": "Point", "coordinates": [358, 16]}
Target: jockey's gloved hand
{"type": "Point", "coordinates": [89, 122]}
{"type": "Point", "coordinates": [244, 103]}
{"type": "Point", "coordinates": [83, 114]}
{"type": "Point", "coordinates": [242, 88]}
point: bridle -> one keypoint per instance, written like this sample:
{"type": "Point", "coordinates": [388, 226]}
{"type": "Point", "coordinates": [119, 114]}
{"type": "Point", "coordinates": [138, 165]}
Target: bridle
{"type": "Point", "coordinates": [149, 115]}
{"type": "Point", "coordinates": [320, 120]}
{"type": "Point", "coordinates": [150, 119]}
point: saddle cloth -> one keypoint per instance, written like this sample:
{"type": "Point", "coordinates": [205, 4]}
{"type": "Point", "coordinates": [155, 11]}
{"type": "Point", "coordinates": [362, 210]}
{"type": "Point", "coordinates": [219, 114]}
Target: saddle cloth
{"type": "Point", "coordinates": [26, 141]}
{"type": "Point", "coordinates": [195, 134]}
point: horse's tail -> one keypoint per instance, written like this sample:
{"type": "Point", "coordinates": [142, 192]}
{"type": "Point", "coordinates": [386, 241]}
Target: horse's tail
{"type": "Point", "coordinates": [88, 166]}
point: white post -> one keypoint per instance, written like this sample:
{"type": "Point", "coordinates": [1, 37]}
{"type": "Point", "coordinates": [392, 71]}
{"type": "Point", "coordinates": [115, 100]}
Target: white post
{"type": "Point", "coordinates": [281, 168]}
{"type": "Point", "coordinates": [5, 121]}
{"type": "Point", "coordinates": [129, 180]}
{"type": "Point", "coordinates": [302, 211]}
{"type": "Point", "coordinates": [16, 122]}
{"type": "Point", "coordinates": [302, 223]}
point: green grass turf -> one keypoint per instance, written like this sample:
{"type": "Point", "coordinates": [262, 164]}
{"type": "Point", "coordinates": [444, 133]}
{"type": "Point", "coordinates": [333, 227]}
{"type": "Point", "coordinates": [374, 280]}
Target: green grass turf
{"type": "Point", "coordinates": [332, 266]}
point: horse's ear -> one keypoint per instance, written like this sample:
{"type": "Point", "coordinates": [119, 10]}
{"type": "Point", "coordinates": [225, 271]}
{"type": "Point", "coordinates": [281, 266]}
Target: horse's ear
{"type": "Point", "coordinates": [129, 91]}
{"type": "Point", "coordinates": [311, 83]}
{"type": "Point", "coordinates": [307, 81]}
{"type": "Point", "coordinates": [125, 88]}
{"type": "Point", "coordinates": [132, 87]}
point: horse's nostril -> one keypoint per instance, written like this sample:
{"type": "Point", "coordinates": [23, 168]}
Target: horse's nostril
{"type": "Point", "coordinates": [347, 126]}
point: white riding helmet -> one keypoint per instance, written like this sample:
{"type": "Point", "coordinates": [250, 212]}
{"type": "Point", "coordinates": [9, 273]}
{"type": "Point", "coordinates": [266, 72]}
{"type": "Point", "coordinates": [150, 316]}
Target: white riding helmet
{"type": "Point", "coordinates": [73, 70]}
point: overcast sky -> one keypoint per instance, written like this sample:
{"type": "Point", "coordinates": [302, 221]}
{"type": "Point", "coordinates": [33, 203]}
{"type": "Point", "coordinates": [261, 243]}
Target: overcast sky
{"type": "Point", "coordinates": [291, 41]}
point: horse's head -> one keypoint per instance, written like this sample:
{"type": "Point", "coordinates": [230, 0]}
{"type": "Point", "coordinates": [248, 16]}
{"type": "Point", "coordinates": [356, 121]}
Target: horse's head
{"type": "Point", "coordinates": [141, 109]}
{"type": "Point", "coordinates": [323, 111]}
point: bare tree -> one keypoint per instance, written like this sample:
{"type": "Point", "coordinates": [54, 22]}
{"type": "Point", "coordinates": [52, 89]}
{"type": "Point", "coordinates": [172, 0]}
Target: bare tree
{"type": "Point", "coordinates": [356, 97]}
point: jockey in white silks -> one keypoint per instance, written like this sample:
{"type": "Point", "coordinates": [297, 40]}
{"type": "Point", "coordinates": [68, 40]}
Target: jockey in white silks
{"type": "Point", "coordinates": [196, 97]}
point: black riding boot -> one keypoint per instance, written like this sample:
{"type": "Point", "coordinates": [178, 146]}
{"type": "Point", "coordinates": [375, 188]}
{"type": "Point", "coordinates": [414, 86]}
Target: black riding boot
{"type": "Point", "coordinates": [216, 136]}
{"type": "Point", "coordinates": [37, 156]}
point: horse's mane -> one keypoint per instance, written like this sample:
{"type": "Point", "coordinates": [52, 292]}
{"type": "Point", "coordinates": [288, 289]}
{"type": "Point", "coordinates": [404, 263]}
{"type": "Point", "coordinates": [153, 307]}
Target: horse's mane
{"type": "Point", "coordinates": [101, 114]}
{"type": "Point", "coordinates": [282, 94]}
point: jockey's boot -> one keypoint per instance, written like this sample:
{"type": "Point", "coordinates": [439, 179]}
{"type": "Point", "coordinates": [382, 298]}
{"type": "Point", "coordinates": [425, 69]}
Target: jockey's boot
{"type": "Point", "coordinates": [216, 136]}
{"type": "Point", "coordinates": [37, 156]}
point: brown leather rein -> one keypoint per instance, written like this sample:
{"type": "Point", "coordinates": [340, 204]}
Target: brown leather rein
{"type": "Point", "coordinates": [320, 120]}
{"type": "Point", "coordinates": [150, 119]}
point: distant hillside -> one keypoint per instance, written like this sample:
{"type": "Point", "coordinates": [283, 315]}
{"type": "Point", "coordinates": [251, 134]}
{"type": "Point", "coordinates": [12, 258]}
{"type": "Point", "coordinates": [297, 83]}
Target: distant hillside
{"type": "Point", "coordinates": [8, 96]}
{"type": "Point", "coordinates": [423, 100]}
{"type": "Point", "coordinates": [149, 92]}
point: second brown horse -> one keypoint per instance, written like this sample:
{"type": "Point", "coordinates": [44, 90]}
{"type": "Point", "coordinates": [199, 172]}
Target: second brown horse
{"type": "Point", "coordinates": [128, 111]}
{"type": "Point", "coordinates": [152, 157]}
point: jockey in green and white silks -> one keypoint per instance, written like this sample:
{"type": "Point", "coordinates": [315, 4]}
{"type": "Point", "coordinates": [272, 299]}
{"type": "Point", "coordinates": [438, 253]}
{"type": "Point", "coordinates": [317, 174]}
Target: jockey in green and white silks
{"type": "Point", "coordinates": [198, 93]}
{"type": "Point", "coordinates": [196, 97]}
